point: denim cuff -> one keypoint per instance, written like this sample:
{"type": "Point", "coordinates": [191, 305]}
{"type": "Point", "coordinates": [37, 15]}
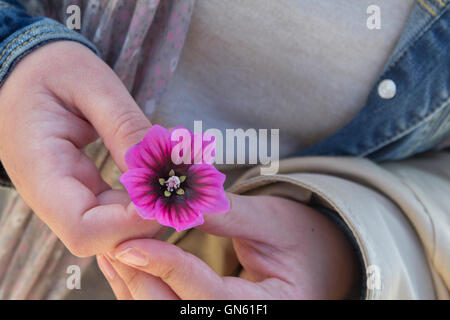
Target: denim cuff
{"type": "Point", "coordinates": [31, 37]}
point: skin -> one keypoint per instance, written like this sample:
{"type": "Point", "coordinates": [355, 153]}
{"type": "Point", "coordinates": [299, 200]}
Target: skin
{"type": "Point", "coordinates": [58, 99]}
{"type": "Point", "coordinates": [61, 97]}
{"type": "Point", "coordinates": [290, 252]}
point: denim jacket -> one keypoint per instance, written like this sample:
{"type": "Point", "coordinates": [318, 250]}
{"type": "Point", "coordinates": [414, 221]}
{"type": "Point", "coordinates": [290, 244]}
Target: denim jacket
{"type": "Point", "coordinates": [414, 120]}
{"type": "Point", "coordinates": [417, 117]}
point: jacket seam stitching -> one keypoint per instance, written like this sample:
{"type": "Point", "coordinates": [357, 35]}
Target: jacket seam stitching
{"type": "Point", "coordinates": [413, 124]}
{"type": "Point", "coordinates": [441, 3]}
{"type": "Point", "coordinates": [427, 7]}
{"type": "Point", "coordinates": [4, 6]}
{"type": "Point", "coordinates": [414, 42]}
{"type": "Point", "coordinates": [24, 34]}
{"type": "Point", "coordinates": [28, 41]}
{"type": "Point", "coordinates": [9, 5]}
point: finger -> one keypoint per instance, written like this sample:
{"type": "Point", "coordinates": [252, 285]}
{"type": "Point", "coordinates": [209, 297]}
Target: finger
{"type": "Point", "coordinates": [66, 159]}
{"type": "Point", "coordinates": [141, 285]}
{"type": "Point", "coordinates": [247, 218]}
{"type": "Point", "coordinates": [187, 276]}
{"type": "Point", "coordinates": [118, 286]}
{"type": "Point", "coordinates": [67, 193]}
{"type": "Point", "coordinates": [103, 100]}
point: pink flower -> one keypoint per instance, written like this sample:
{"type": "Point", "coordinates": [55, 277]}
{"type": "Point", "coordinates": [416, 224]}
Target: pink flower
{"type": "Point", "coordinates": [176, 195]}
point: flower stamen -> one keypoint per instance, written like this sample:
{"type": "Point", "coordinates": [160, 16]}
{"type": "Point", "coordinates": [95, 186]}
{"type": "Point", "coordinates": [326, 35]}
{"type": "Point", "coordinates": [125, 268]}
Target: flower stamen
{"type": "Point", "coordinates": [176, 195]}
{"type": "Point", "coordinates": [173, 183]}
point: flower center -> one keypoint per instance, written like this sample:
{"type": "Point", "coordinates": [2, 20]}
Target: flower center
{"type": "Point", "coordinates": [173, 183]}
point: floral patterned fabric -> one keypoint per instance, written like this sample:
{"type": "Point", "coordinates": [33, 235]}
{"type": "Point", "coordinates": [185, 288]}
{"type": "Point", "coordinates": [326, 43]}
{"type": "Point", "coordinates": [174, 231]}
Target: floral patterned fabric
{"type": "Point", "coordinates": [142, 41]}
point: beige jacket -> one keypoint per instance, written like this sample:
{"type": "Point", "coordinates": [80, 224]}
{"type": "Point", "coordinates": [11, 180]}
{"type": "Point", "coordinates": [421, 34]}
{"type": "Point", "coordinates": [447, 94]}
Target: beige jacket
{"type": "Point", "coordinates": [398, 212]}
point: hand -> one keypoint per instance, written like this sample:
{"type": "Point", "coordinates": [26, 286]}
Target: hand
{"type": "Point", "coordinates": [287, 251]}
{"type": "Point", "coordinates": [53, 104]}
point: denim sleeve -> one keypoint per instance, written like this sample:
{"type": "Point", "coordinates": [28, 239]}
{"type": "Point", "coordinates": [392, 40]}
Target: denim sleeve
{"type": "Point", "coordinates": [20, 34]}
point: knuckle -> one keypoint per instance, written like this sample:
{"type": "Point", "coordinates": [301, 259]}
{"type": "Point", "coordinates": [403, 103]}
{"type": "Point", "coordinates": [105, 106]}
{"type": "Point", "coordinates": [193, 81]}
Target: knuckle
{"type": "Point", "coordinates": [168, 273]}
{"type": "Point", "coordinates": [79, 250]}
{"type": "Point", "coordinates": [134, 282]}
{"type": "Point", "coordinates": [172, 269]}
{"type": "Point", "coordinates": [130, 124]}
{"type": "Point", "coordinates": [77, 245]}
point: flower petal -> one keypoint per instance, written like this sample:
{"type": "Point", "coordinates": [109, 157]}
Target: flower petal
{"type": "Point", "coordinates": [178, 215]}
{"type": "Point", "coordinates": [140, 185]}
{"type": "Point", "coordinates": [151, 160]}
{"type": "Point", "coordinates": [206, 193]}
{"type": "Point", "coordinates": [146, 212]}
{"type": "Point", "coordinates": [152, 152]}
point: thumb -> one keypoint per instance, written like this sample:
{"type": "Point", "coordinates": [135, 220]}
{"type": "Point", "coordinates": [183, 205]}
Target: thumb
{"type": "Point", "coordinates": [250, 217]}
{"type": "Point", "coordinates": [95, 90]}
{"type": "Point", "coordinates": [188, 276]}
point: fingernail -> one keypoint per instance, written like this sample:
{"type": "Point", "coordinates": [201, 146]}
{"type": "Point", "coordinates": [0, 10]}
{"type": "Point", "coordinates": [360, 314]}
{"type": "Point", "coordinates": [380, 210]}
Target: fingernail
{"type": "Point", "coordinates": [133, 257]}
{"type": "Point", "coordinates": [107, 268]}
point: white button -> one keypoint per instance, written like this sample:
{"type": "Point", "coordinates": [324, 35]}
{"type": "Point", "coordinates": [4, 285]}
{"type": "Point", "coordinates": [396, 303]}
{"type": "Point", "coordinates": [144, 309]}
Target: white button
{"type": "Point", "coordinates": [387, 89]}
